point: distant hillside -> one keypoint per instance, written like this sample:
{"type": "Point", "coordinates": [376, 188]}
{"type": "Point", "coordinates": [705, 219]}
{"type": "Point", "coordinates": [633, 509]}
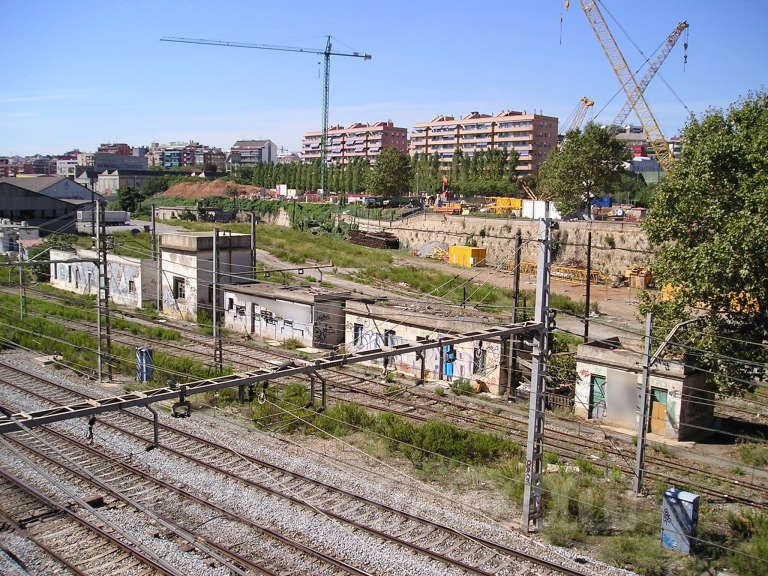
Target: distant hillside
{"type": "Point", "coordinates": [198, 190]}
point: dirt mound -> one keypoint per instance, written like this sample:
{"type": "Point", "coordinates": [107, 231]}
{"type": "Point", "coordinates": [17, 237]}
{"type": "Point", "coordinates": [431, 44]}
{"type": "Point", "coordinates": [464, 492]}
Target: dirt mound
{"type": "Point", "coordinates": [197, 190]}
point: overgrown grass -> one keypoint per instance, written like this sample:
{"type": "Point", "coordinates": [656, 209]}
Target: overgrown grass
{"type": "Point", "coordinates": [419, 443]}
{"type": "Point", "coordinates": [78, 348]}
{"type": "Point", "coordinates": [754, 454]}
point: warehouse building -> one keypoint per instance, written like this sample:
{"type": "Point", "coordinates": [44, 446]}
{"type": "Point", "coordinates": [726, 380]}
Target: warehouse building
{"type": "Point", "coordinates": [187, 269]}
{"type": "Point", "coordinates": [49, 202]}
{"type": "Point", "coordinates": [282, 312]}
{"type": "Point", "coordinates": [608, 390]}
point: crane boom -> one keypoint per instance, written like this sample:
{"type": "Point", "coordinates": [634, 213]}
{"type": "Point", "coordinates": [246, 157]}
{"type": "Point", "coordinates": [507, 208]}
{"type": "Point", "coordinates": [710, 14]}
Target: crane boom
{"type": "Point", "coordinates": [662, 54]}
{"type": "Point", "coordinates": [628, 83]}
{"type": "Point", "coordinates": [578, 116]}
{"type": "Point", "coordinates": [327, 53]}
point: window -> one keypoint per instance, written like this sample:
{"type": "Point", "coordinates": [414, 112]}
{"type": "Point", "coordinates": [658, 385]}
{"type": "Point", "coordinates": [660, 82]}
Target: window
{"type": "Point", "coordinates": [230, 303]}
{"type": "Point", "coordinates": [178, 288]}
{"type": "Point", "coordinates": [69, 274]}
{"type": "Point", "coordinates": [131, 286]}
{"type": "Point", "coordinates": [77, 278]}
{"type": "Point", "coordinates": [240, 310]}
{"type": "Point", "coordinates": [55, 270]}
{"type": "Point", "coordinates": [357, 334]}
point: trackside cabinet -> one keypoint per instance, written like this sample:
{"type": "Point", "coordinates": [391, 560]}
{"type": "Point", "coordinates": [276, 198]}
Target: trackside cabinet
{"type": "Point", "coordinates": [679, 520]}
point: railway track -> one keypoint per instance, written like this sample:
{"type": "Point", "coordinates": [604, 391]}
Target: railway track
{"type": "Point", "coordinates": [425, 405]}
{"type": "Point", "coordinates": [75, 544]}
{"type": "Point", "coordinates": [455, 549]}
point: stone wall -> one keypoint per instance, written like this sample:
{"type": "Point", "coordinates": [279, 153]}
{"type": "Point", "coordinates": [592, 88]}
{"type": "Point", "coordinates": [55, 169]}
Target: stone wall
{"type": "Point", "coordinates": [616, 246]}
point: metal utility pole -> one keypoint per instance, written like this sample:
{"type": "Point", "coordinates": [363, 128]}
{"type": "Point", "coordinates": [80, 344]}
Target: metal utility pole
{"type": "Point", "coordinates": [532, 498]}
{"type": "Point", "coordinates": [154, 233]}
{"type": "Point", "coordinates": [327, 52]}
{"type": "Point", "coordinates": [102, 299]}
{"type": "Point", "coordinates": [21, 287]}
{"type": "Point", "coordinates": [589, 285]}
{"type": "Point", "coordinates": [95, 218]}
{"type": "Point", "coordinates": [217, 361]}
{"type": "Point", "coordinates": [253, 245]}
{"type": "Point", "coordinates": [513, 340]}
{"type": "Point", "coordinates": [648, 362]}
{"type": "Point", "coordinates": [643, 419]}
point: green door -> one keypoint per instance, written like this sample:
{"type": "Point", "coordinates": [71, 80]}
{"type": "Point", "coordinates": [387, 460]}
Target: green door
{"type": "Point", "coordinates": [597, 397]}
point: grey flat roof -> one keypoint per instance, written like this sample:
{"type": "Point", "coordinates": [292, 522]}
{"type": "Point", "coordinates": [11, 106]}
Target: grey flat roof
{"type": "Point", "coordinates": [280, 292]}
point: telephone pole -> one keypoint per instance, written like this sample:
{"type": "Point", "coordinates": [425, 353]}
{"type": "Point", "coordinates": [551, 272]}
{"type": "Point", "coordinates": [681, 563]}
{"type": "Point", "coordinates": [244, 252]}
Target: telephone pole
{"type": "Point", "coordinates": [643, 419]}
{"type": "Point", "coordinates": [589, 284]}
{"type": "Point", "coordinates": [534, 460]}
{"type": "Point", "coordinates": [217, 360]}
{"type": "Point", "coordinates": [102, 299]}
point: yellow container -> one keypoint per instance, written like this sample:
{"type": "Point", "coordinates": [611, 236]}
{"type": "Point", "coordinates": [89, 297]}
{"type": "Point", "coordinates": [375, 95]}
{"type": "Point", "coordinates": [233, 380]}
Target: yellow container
{"type": "Point", "coordinates": [468, 256]}
{"type": "Point", "coordinates": [509, 203]}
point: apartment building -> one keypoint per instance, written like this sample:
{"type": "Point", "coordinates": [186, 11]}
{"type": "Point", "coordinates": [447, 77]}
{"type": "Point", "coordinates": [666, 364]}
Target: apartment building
{"type": "Point", "coordinates": [357, 141]}
{"type": "Point", "coordinates": [532, 136]}
{"type": "Point", "coordinates": [117, 148]}
{"type": "Point", "coordinates": [177, 154]}
{"type": "Point", "coordinates": [252, 152]}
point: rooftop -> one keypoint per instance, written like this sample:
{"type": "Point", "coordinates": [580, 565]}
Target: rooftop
{"type": "Point", "coordinates": [289, 293]}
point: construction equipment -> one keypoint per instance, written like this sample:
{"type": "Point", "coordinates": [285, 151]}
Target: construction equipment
{"type": "Point", "coordinates": [654, 66]}
{"type": "Point", "coordinates": [577, 118]}
{"type": "Point", "coordinates": [628, 83]}
{"type": "Point", "coordinates": [327, 52]}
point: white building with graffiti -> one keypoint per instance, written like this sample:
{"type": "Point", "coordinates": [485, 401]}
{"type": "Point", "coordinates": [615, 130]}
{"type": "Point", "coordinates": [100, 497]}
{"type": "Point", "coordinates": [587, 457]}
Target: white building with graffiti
{"type": "Point", "coordinates": [608, 390]}
{"type": "Point", "coordinates": [272, 311]}
{"type": "Point", "coordinates": [187, 269]}
{"type": "Point", "coordinates": [131, 280]}
{"type": "Point", "coordinates": [371, 326]}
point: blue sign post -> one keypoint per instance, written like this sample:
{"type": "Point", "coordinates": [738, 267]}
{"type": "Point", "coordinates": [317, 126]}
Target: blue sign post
{"type": "Point", "coordinates": [679, 520]}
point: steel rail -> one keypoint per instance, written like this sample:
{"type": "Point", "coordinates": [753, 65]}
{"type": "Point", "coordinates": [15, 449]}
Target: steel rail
{"type": "Point", "coordinates": [51, 503]}
{"type": "Point", "coordinates": [186, 494]}
{"type": "Point", "coordinates": [327, 512]}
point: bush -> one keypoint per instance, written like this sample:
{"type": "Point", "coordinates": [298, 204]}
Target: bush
{"type": "Point", "coordinates": [643, 553]}
{"type": "Point", "coordinates": [751, 553]}
{"type": "Point", "coordinates": [292, 343]}
{"type": "Point", "coordinates": [610, 241]}
{"type": "Point", "coordinates": [462, 387]}
{"type": "Point", "coordinates": [754, 454]}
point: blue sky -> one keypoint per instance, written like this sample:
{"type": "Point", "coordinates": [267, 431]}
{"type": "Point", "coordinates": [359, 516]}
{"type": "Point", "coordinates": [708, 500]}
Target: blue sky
{"type": "Point", "coordinates": [76, 74]}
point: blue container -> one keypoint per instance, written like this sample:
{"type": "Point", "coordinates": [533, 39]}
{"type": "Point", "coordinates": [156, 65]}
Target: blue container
{"type": "Point", "coordinates": [679, 520]}
{"type": "Point", "coordinates": [144, 364]}
{"type": "Point", "coordinates": [602, 201]}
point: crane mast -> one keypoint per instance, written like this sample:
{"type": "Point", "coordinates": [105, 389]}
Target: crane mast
{"type": "Point", "coordinates": [664, 51]}
{"type": "Point", "coordinates": [628, 83]}
{"type": "Point", "coordinates": [327, 53]}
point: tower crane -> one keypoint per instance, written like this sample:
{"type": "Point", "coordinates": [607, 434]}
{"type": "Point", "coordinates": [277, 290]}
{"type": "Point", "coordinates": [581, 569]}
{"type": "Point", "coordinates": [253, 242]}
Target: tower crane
{"type": "Point", "coordinates": [327, 52]}
{"type": "Point", "coordinates": [577, 117]}
{"type": "Point", "coordinates": [628, 83]}
{"type": "Point", "coordinates": [662, 54]}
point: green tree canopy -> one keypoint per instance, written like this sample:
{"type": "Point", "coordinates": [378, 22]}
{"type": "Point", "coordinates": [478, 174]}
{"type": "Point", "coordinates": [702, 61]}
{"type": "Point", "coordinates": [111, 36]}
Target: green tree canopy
{"type": "Point", "coordinates": [710, 218]}
{"type": "Point", "coordinates": [391, 175]}
{"type": "Point", "coordinates": [587, 165]}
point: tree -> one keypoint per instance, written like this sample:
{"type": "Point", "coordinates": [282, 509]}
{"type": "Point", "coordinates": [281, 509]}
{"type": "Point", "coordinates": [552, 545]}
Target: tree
{"type": "Point", "coordinates": [586, 166]}
{"type": "Point", "coordinates": [129, 198]}
{"type": "Point", "coordinates": [391, 175]}
{"type": "Point", "coordinates": [710, 217]}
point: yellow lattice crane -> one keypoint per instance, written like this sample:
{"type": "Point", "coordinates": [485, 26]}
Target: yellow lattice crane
{"type": "Point", "coordinates": [627, 80]}
{"type": "Point", "coordinates": [577, 118]}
